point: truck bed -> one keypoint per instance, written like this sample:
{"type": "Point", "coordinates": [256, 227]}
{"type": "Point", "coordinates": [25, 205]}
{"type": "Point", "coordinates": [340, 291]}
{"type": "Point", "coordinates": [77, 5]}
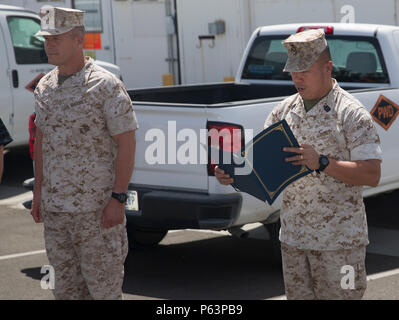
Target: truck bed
{"type": "Point", "coordinates": [212, 95]}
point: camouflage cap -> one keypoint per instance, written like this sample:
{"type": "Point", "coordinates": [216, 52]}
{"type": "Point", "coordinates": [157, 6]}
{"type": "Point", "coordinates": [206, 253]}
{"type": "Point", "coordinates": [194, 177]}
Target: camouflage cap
{"type": "Point", "coordinates": [304, 48]}
{"type": "Point", "coordinates": [59, 20]}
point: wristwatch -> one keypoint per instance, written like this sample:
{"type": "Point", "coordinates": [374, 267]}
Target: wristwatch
{"type": "Point", "coordinates": [121, 197]}
{"type": "Point", "coordinates": [324, 162]}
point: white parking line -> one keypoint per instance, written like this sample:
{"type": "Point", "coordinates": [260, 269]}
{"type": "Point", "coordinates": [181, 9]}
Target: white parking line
{"type": "Point", "coordinates": [16, 201]}
{"type": "Point", "coordinates": [30, 253]}
{"type": "Point", "coordinates": [385, 274]}
{"type": "Point", "coordinates": [255, 228]}
{"type": "Point", "coordinates": [278, 298]}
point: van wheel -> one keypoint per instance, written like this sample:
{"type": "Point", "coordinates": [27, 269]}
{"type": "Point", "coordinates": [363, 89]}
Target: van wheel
{"type": "Point", "coordinates": [144, 238]}
{"type": "Point", "coordinates": [273, 229]}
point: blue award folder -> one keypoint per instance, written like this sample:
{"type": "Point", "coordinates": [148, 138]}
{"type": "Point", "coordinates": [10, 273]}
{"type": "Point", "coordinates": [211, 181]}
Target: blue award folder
{"type": "Point", "coordinates": [5, 137]}
{"type": "Point", "coordinates": [269, 173]}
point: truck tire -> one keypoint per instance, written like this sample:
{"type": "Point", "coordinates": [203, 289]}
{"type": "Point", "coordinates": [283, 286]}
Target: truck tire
{"type": "Point", "coordinates": [144, 238]}
{"type": "Point", "coordinates": [273, 229]}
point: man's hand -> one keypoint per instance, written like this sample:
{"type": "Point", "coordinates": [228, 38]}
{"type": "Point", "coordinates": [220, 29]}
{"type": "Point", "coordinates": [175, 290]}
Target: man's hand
{"type": "Point", "coordinates": [36, 211]}
{"type": "Point", "coordinates": [223, 178]}
{"type": "Point", "coordinates": [306, 155]}
{"type": "Point", "coordinates": [113, 214]}
{"type": "Point", "coordinates": [37, 189]}
{"type": "Point", "coordinates": [358, 173]}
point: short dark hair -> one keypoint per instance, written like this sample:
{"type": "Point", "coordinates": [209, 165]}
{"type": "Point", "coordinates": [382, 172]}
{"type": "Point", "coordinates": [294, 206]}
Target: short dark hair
{"type": "Point", "coordinates": [325, 56]}
{"type": "Point", "coordinates": [79, 31]}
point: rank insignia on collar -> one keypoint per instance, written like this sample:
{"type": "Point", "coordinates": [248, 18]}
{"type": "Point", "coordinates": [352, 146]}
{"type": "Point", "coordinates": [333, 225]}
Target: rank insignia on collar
{"type": "Point", "coordinates": [385, 112]}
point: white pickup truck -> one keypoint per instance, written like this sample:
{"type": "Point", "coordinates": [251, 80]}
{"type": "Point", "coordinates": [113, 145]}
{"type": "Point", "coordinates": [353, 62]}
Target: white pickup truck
{"type": "Point", "coordinates": [172, 187]}
{"type": "Point", "coordinates": [23, 62]}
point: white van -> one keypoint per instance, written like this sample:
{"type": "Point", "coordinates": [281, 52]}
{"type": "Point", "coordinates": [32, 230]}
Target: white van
{"type": "Point", "coordinates": [23, 62]}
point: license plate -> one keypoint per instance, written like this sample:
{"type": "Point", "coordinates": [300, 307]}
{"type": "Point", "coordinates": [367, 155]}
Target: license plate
{"type": "Point", "coordinates": [132, 202]}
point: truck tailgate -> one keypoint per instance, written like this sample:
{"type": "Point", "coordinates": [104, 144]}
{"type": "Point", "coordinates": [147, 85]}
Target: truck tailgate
{"type": "Point", "coordinates": [169, 152]}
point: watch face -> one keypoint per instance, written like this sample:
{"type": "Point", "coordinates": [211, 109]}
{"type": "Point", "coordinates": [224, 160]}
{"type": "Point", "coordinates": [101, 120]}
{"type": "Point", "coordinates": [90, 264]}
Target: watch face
{"type": "Point", "coordinates": [324, 161]}
{"type": "Point", "coordinates": [123, 197]}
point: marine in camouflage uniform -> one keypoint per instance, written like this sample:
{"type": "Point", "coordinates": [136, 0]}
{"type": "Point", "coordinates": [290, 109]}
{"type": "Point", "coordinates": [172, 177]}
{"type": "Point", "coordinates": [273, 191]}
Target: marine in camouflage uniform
{"type": "Point", "coordinates": [323, 219]}
{"type": "Point", "coordinates": [78, 116]}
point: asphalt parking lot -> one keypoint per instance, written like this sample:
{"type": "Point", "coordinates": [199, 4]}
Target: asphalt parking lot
{"type": "Point", "coordinates": [188, 264]}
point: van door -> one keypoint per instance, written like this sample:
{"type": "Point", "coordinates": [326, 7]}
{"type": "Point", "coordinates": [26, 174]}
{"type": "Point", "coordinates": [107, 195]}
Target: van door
{"type": "Point", "coordinates": [5, 87]}
{"type": "Point", "coordinates": [28, 63]}
{"type": "Point", "coordinates": [99, 43]}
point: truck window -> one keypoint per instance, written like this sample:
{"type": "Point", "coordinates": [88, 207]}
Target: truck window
{"type": "Point", "coordinates": [355, 59]}
{"type": "Point", "coordinates": [93, 14]}
{"type": "Point", "coordinates": [28, 49]}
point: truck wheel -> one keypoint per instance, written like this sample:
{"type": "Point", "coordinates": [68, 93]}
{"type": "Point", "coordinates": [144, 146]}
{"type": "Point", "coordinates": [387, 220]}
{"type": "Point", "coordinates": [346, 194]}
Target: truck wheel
{"type": "Point", "coordinates": [273, 229]}
{"type": "Point", "coordinates": [144, 238]}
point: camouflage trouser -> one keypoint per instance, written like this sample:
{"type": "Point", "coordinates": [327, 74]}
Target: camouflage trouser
{"type": "Point", "coordinates": [324, 275]}
{"type": "Point", "coordinates": [88, 260]}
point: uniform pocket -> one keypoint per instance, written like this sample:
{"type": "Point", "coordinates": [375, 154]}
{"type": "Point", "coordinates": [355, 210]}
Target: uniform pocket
{"type": "Point", "coordinates": [356, 259]}
{"type": "Point", "coordinates": [114, 241]}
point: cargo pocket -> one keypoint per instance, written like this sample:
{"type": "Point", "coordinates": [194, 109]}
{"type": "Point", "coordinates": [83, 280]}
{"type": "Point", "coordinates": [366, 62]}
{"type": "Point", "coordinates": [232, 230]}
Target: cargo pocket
{"type": "Point", "coordinates": [114, 241]}
{"type": "Point", "coordinates": [356, 259]}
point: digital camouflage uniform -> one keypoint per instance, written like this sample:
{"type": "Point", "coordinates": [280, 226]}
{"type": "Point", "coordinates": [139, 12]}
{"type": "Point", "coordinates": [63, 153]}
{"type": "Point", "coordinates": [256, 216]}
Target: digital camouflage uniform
{"type": "Point", "coordinates": [323, 220]}
{"type": "Point", "coordinates": [304, 49]}
{"type": "Point", "coordinates": [78, 119]}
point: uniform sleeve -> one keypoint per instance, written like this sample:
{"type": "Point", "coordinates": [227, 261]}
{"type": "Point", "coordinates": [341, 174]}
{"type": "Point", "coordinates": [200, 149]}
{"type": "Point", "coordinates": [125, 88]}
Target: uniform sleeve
{"type": "Point", "coordinates": [39, 116]}
{"type": "Point", "coordinates": [362, 137]}
{"type": "Point", "coordinates": [119, 113]}
{"type": "Point", "coordinates": [39, 106]}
